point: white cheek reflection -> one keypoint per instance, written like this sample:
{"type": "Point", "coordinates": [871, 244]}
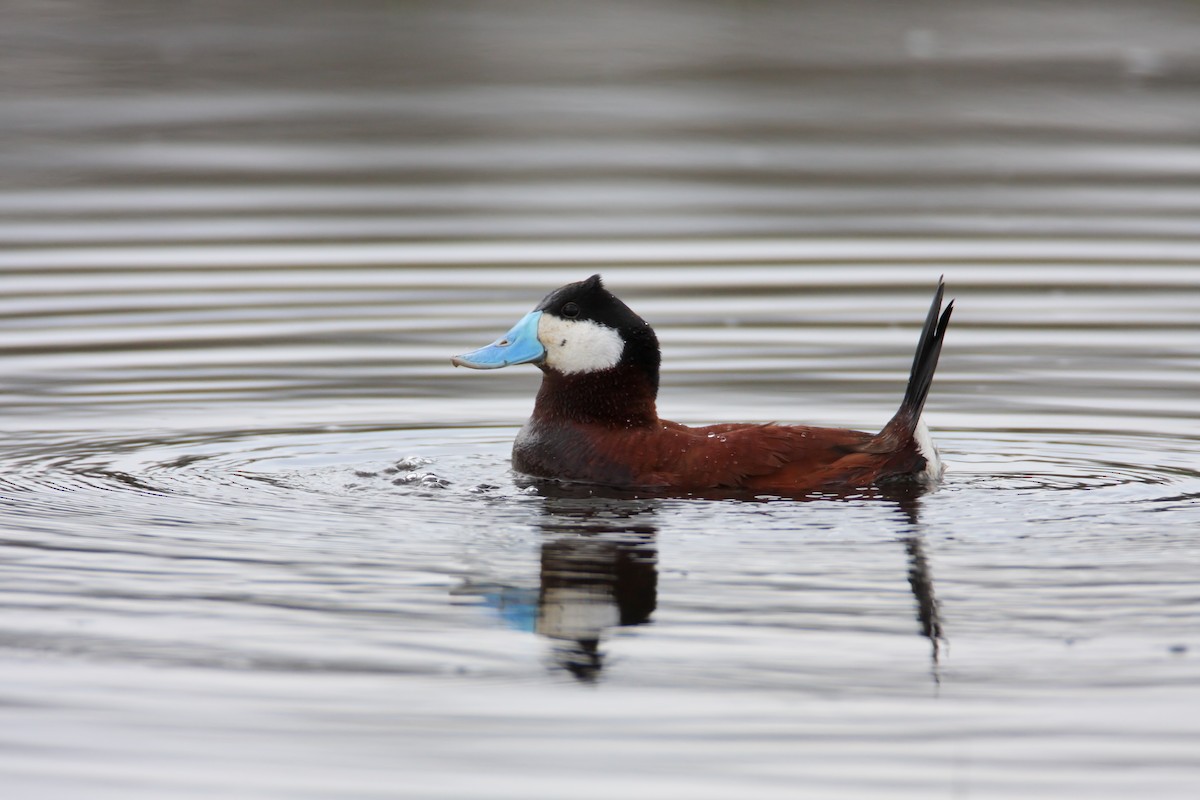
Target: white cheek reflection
{"type": "Point", "coordinates": [579, 345]}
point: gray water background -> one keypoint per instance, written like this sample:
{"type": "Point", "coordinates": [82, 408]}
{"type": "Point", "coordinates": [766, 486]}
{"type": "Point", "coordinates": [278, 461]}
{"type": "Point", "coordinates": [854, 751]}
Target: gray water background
{"type": "Point", "coordinates": [258, 539]}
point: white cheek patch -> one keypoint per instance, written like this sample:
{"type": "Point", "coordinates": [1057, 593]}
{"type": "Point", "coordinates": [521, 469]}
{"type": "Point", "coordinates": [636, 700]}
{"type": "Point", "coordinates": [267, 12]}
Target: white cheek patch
{"type": "Point", "coordinates": [579, 345]}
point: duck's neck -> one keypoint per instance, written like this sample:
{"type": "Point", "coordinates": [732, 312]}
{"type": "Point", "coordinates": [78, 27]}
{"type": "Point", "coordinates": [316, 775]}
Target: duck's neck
{"type": "Point", "coordinates": [621, 397]}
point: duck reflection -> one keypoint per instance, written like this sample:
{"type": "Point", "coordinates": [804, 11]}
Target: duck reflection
{"type": "Point", "coordinates": [598, 571]}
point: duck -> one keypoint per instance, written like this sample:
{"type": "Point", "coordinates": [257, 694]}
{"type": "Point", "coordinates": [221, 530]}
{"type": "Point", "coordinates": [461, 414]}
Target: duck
{"type": "Point", "coordinates": [595, 418]}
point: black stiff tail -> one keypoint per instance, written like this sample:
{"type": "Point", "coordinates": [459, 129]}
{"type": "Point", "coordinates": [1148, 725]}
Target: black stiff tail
{"type": "Point", "coordinates": [929, 348]}
{"type": "Point", "coordinates": [901, 427]}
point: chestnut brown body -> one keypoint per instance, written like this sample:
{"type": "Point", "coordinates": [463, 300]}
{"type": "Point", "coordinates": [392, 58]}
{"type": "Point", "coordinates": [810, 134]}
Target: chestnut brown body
{"type": "Point", "coordinates": [629, 447]}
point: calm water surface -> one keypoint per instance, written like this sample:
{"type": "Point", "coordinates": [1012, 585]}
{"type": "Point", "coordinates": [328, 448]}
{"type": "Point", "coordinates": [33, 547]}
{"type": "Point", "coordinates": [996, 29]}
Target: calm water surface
{"type": "Point", "coordinates": [259, 539]}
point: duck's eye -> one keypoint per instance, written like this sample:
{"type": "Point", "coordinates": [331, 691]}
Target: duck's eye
{"type": "Point", "coordinates": [570, 311]}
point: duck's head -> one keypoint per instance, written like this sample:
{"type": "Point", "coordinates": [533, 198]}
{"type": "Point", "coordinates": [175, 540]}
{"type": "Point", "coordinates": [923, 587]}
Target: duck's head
{"type": "Point", "coordinates": [580, 329]}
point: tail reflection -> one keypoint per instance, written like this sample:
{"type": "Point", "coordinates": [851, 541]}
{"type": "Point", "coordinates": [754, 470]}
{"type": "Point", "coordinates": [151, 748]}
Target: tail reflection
{"type": "Point", "coordinates": [920, 578]}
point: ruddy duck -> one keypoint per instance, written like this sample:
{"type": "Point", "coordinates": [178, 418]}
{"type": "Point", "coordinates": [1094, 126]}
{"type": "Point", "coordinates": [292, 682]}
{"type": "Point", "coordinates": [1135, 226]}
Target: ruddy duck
{"type": "Point", "coordinates": [595, 419]}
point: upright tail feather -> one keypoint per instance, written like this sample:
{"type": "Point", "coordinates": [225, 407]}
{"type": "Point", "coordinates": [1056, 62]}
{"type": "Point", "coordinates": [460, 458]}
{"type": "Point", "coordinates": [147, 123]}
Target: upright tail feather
{"type": "Point", "coordinates": [929, 348]}
{"type": "Point", "coordinates": [902, 426]}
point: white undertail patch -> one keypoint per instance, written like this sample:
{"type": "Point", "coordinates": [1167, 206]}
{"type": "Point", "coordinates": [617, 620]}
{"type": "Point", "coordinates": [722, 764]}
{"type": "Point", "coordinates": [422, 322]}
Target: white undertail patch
{"type": "Point", "coordinates": [933, 461]}
{"type": "Point", "coordinates": [574, 346]}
